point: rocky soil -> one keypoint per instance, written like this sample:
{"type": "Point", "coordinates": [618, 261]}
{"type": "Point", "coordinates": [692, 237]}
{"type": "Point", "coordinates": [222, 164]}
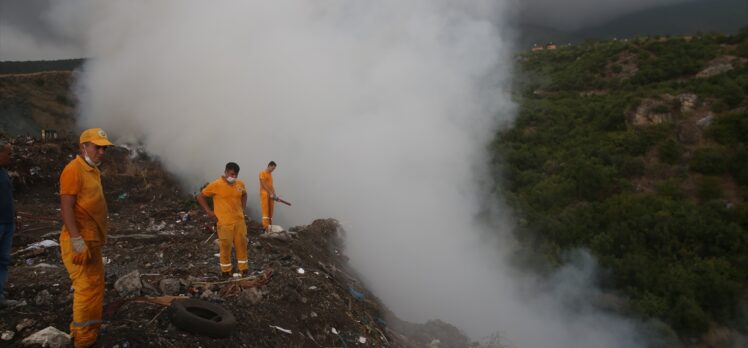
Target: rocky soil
{"type": "Point", "coordinates": [301, 292]}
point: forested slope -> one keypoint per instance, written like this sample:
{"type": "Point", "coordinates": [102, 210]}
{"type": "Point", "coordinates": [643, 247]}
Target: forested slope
{"type": "Point", "coordinates": [637, 150]}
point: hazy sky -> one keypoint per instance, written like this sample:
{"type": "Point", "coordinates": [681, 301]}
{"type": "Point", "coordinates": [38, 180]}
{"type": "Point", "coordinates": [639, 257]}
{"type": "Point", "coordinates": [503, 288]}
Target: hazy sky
{"type": "Point", "coordinates": [575, 14]}
{"type": "Point", "coordinates": [42, 29]}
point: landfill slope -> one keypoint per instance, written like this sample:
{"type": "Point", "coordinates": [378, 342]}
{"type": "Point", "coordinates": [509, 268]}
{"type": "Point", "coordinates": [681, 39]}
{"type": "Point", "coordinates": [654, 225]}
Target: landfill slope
{"type": "Point", "coordinates": [158, 230]}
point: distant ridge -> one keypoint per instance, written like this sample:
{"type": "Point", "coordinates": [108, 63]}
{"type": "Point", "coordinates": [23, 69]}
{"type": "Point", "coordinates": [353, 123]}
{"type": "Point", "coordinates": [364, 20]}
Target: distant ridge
{"type": "Point", "coordinates": [25, 67]}
{"type": "Point", "coordinates": [721, 16]}
{"type": "Point", "coordinates": [705, 16]}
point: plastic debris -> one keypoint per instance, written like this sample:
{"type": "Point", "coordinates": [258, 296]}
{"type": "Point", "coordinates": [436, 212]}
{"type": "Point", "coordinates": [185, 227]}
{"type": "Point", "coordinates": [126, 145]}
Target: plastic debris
{"type": "Point", "coordinates": [281, 329]}
{"type": "Point", "coordinates": [301, 270]}
{"type": "Point", "coordinates": [335, 331]}
{"type": "Point", "coordinates": [45, 265]}
{"type": "Point", "coordinates": [183, 216]}
{"type": "Point", "coordinates": [362, 339]}
{"type": "Point", "coordinates": [47, 243]}
{"type": "Point", "coordinates": [358, 295]}
{"type": "Point", "coordinates": [7, 335]}
{"type": "Point", "coordinates": [24, 324]}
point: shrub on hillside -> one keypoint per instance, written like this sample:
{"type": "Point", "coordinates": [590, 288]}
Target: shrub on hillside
{"type": "Point", "coordinates": [709, 161]}
{"type": "Point", "coordinates": [709, 188]}
{"type": "Point", "coordinates": [670, 151]}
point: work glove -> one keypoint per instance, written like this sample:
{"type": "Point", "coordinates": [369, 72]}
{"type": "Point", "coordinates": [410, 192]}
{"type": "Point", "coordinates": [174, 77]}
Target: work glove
{"type": "Point", "coordinates": [81, 254]}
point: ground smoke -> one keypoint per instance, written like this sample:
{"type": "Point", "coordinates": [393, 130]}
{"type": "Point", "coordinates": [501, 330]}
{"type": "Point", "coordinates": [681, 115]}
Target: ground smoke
{"type": "Point", "coordinates": [378, 114]}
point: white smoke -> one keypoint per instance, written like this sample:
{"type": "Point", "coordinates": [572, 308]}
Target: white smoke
{"type": "Point", "coordinates": [378, 114]}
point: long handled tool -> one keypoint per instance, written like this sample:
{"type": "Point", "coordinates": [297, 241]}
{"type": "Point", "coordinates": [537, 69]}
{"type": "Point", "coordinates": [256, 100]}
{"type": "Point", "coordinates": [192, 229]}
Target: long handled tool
{"type": "Point", "coordinates": [278, 199]}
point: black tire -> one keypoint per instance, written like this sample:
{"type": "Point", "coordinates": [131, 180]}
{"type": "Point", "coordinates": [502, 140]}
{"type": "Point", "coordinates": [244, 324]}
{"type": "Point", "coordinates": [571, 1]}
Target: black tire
{"type": "Point", "coordinates": [202, 317]}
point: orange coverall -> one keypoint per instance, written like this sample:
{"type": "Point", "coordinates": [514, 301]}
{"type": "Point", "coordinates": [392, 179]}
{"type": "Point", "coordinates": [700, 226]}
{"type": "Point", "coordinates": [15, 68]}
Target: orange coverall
{"type": "Point", "coordinates": [266, 202]}
{"type": "Point", "coordinates": [232, 230]}
{"type": "Point", "coordinates": [84, 182]}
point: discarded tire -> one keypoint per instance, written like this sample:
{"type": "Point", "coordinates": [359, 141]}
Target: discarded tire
{"type": "Point", "coordinates": [203, 318]}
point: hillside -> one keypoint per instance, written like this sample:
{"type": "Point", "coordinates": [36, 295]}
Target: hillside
{"type": "Point", "coordinates": [31, 102]}
{"type": "Point", "coordinates": [638, 151]}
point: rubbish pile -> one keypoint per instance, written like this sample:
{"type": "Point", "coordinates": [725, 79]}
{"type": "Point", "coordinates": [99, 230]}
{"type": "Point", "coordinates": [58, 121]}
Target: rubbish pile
{"type": "Point", "coordinates": [162, 275]}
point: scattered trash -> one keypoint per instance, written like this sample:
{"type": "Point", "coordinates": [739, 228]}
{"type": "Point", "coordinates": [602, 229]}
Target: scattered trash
{"type": "Point", "coordinates": [312, 287]}
{"type": "Point", "coordinates": [281, 329]}
{"type": "Point", "coordinates": [34, 171]}
{"type": "Point", "coordinates": [45, 265]}
{"type": "Point", "coordinates": [43, 298]}
{"type": "Point", "coordinates": [356, 294]}
{"type": "Point", "coordinates": [300, 270]}
{"type": "Point", "coordinates": [236, 275]}
{"type": "Point", "coordinates": [208, 295]}
{"type": "Point", "coordinates": [251, 296]}
{"type": "Point", "coordinates": [217, 255]}
{"type": "Point", "coordinates": [335, 331]}
{"type": "Point", "coordinates": [183, 216]}
{"type": "Point", "coordinates": [129, 284]}
{"type": "Point", "coordinates": [276, 232]}
{"type": "Point", "coordinates": [362, 339]}
{"type": "Point", "coordinates": [192, 316]}
{"type": "Point", "coordinates": [49, 337]}
{"type": "Point", "coordinates": [7, 335]}
{"type": "Point", "coordinates": [106, 260]}
{"type": "Point", "coordinates": [47, 243]}
{"type": "Point", "coordinates": [158, 227]}
{"type": "Point", "coordinates": [169, 286]}
{"type": "Point", "coordinates": [24, 324]}
{"type": "Point", "coordinates": [122, 197]}
{"type": "Point", "coordinates": [313, 314]}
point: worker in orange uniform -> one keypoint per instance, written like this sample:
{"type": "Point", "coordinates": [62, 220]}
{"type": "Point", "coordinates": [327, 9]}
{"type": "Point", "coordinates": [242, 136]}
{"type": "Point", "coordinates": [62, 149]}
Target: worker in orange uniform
{"type": "Point", "coordinates": [267, 195]}
{"type": "Point", "coordinates": [229, 202]}
{"type": "Point", "coordinates": [84, 214]}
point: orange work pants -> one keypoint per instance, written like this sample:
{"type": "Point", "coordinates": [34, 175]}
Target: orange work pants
{"type": "Point", "coordinates": [233, 235]}
{"type": "Point", "coordinates": [267, 205]}
{"type": "Point", "coordinates": [88, 292]}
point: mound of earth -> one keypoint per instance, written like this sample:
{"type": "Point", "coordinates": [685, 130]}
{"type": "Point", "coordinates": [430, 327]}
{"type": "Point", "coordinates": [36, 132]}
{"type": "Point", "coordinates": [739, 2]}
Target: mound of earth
{"type": "Point", "coordinates": [301, 292]}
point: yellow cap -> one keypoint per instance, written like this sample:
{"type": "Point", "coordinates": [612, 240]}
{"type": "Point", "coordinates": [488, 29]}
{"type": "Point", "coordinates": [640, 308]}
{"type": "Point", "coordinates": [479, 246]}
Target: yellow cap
{"type": "Point", "coordinates": [96, 136]}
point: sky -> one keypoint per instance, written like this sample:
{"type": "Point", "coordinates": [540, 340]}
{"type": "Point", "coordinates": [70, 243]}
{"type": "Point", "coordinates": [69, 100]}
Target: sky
{"type": "Point", "coordinates": [44, 29]}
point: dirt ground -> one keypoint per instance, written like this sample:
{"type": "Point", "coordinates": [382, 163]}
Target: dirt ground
{"type": "Point", "coordinates": [158, 230]}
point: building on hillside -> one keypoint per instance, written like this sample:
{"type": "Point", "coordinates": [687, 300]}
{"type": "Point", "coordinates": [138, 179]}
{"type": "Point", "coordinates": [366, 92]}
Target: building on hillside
{"type": "Point", "coordinates": [536, 48]}
{"type": "Point", "coordinates": [551, 46]}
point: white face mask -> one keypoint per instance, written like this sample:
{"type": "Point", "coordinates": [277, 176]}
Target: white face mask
{"type": "Point", "coordinates": [89, 160]}
{"type": "Point", "coordinates": [230, 179]}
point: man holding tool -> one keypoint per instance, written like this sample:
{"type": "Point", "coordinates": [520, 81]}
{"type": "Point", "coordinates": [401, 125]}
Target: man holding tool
{"type": "Point", "coordinates": [268, 197]}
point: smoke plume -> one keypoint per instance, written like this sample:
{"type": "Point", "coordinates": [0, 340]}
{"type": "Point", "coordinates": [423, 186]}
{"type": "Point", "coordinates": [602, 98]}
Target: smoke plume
{"type": "Point", "coordinates": [377, 113]}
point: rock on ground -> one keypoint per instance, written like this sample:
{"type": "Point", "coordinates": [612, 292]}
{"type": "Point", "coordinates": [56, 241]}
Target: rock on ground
{"type": "Point", "coordinates": [49, 337]}
{"type": "Point", "coordinates": [129, 284]}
